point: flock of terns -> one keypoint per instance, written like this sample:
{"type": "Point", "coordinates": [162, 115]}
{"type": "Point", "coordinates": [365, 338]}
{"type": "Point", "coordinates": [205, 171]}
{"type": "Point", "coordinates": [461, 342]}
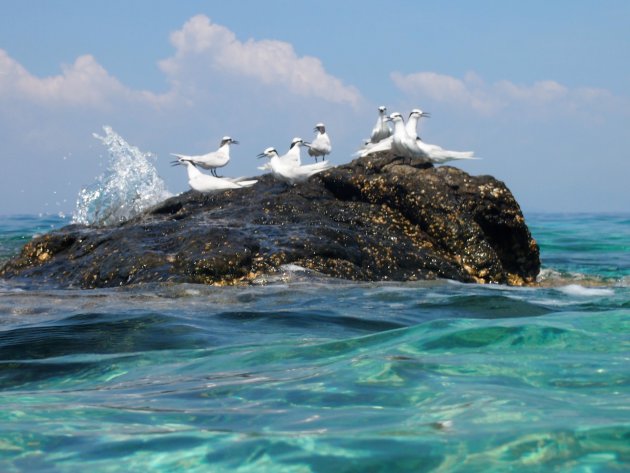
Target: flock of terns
{"type": "Point", "coordinates": [403, 140]}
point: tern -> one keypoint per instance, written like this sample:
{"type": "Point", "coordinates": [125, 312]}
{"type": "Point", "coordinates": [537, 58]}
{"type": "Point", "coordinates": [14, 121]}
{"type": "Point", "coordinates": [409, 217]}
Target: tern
{"type": "Point", "coordinates": [381, 129]}
{"type": "Point", "coordinates": [412, 122]}
{"type": "Point", "coordinates": [294, 155]}
{"type": "Point", "coordinates": [381, 138]}
{"type": "Point", "coordinates": [437, 154]}
{"type": "Point", "coordinates": [212, 160]}
{"type": "Point", "coordinates": [320, 146]}
{"type": "Point", "coordinates": [283, 170]}
{"type": "Point", "coordinates": [403, 144]}
{"type": "Point", "coordinates": [210, 184]}
{"type": "Point", "coordinates": [291, 158]}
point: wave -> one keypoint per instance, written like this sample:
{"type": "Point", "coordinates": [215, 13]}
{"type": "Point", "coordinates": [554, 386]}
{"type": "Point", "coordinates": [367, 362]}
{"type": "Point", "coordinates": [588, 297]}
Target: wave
{"type": "Point", "coordinates": [100, 333]}
{"type": "Point", "coordinates": [577, 290]}
{"type": "Point", "coordinates": [550, 277]}
{"type": "Point", "coordinates": [130, 185]}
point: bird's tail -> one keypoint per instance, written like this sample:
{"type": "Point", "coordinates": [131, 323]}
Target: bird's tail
{"type": "Point", "coordinates": [237, 180]}
{"type": "Point", "coordinates": [247, 183]}
{"type": "Point", "coordinates": [316, 167]}
{"type": "Point", "coordinates": [384, 145]}
{"type": "Point", "coordinates": [451, 155]}
{"type": "Point", "coordinates": [180, 159]}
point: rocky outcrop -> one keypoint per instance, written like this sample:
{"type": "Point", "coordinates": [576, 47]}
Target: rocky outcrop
{"type": "Point", "coordinates": [375, 218]}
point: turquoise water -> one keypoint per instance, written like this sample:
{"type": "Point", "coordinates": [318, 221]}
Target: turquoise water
{"type": "Point", "coordinates": [309, 374]}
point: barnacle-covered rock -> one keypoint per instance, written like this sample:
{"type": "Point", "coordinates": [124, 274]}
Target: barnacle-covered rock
{"type": "Point", "coordinates": [376, 218]}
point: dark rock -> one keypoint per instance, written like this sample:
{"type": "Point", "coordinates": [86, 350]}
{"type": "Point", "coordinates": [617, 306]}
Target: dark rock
{"type": "Point", "coordinates": [373, 219]}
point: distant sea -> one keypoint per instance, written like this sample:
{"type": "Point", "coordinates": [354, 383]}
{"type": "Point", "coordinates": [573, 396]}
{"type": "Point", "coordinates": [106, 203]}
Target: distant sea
{"type": "Point", "coordinates": [310, 374]}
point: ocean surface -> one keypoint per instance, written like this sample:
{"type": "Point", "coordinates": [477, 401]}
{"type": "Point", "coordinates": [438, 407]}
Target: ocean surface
{"type": "Point", "coordinates": [309, 374]}
{"type": "Point", "coordinates": [302, 373]}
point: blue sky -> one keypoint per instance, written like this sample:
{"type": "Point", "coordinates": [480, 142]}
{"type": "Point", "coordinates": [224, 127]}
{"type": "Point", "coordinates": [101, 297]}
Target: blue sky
{"type": "Point", "coordinates": [538, 89]}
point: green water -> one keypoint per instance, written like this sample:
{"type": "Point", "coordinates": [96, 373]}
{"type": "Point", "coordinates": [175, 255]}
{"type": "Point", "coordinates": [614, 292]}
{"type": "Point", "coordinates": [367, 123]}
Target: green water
{"type": "Point", "coordinates": [315, 375]}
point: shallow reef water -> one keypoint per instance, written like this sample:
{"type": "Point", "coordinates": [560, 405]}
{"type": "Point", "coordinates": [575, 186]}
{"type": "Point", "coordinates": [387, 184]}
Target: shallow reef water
{"type": "Point", "coordinates": [303, 373]}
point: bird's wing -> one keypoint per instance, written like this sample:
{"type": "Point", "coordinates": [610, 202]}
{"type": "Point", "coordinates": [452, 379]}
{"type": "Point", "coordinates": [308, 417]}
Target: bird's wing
{"type": "Point", "coordinates": [206, 183]}
{"type": "Point", "coordinates": [383, 145]}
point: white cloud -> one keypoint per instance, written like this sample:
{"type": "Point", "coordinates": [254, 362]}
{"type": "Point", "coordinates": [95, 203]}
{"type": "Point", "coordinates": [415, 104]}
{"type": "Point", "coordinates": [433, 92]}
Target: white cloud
{"type": "Point", "coordinates": [200, 47]}
{"type": "Point", "coordinates": [540, 92]}
{"type": "Point", "coordinates": [84, 83]}
{"type": "Point", "coordinates": [473, 92]}
{"type": "Point", "coordinates": [444, 88]}
{"type": "Point", "coordinates": [271, 62]}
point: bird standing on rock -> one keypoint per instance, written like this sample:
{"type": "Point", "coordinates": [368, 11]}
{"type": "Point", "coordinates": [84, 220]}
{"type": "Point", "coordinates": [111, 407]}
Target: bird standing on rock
{"type": "Point", "coordinates": [320, 146]}
{"type": "Point", "coordinates": [210, 184]}
{"type": "Point", "coordinates": [381, 137]}
{"type": "Point", "coordinates": [213, 160]}
{"type": "Point", "coordinates": [412, 122]}
{"type": "Point", "coordinates": [381, 129]}
{"type": "Point", "coordinates": [403, 144]}
{"type": "Point", "coordinates": [436, 153]}
{"type": "Point", "coordinates": [294, 155]}
{"type": "Point", "coordinates": [286, 171]}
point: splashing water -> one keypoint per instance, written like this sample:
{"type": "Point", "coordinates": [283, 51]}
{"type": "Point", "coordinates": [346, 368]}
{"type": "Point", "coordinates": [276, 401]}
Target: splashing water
{"type": "Point", "coordinates": [129, 185]}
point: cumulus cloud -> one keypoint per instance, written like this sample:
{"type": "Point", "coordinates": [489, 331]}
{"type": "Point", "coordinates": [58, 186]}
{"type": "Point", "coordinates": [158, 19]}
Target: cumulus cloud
{"type": "Point", "coordinates": [473, 92]}
{"type": "Point", "coordinates": [200, 47]}
{"type": "Point", "coordinates": [85, 82]}
{"type": "Point", "coordinates": [271, 62]}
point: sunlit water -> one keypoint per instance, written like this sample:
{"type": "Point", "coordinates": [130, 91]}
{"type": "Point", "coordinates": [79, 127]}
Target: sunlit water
{"type": "Point", "coordinates": [309, 374]}
{"type": "Point", "coordinates": [130, 185]}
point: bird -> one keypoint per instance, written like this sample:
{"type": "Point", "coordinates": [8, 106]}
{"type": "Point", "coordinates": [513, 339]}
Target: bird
{"type": "Point", "coordinates": [213, 160]}
{"type": "Point", "coordinates": [381, 129]}
{"type": "Point", "coordinates": [294, 155]}
{"type": "Point", "coordinates": [436, 154]}
{"type": "Point", "coordinates": [286, 171]}
{"type": "Point", "coordinates": [381, 137]}
{"type": "Point", "coordinates": [320, 146]}
{"type": "Point", "coordinates": [290, 158]}
{"type": "Point", "coordinates": [403, 144]}
{"type": "Point", "coordinates": [412, 122]}
{"type": "Point", "coordinates": [211, 184]}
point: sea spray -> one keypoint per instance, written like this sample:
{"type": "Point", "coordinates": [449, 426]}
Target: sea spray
{"type": "Point", "coordinates": [129, 185]}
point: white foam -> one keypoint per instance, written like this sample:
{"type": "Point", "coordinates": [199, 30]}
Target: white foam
{"type": "Point", "coordinates": [581, 291]}
{"type": "Point", "coordinates": [130, 185]}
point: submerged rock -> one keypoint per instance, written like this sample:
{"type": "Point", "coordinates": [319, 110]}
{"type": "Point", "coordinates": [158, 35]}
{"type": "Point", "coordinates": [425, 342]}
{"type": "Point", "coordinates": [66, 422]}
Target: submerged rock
{"type": "Point", "coordinates": [375, 218]}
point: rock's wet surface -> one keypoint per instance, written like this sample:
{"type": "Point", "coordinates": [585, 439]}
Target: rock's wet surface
{"type": "Point", "coordinates": [372, 219]}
